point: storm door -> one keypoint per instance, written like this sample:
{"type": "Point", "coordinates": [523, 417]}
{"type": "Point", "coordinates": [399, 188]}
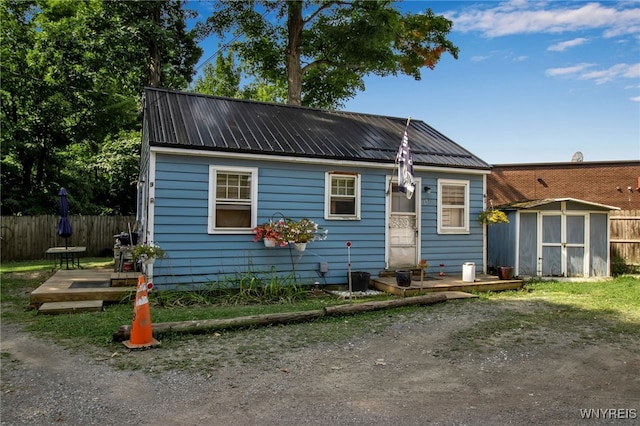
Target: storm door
{"type": "Point", "coordinates": [403, 228]}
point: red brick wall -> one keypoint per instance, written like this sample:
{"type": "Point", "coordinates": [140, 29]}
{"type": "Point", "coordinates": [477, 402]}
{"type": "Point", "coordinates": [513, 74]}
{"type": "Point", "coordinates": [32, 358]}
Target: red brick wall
{"type": "Point", "coordinates": [598, 182]}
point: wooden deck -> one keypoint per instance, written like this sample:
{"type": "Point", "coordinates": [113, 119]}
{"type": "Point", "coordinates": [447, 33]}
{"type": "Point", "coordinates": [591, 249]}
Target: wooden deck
{"type": "Point", "coordinates": [86, 289]}
{"type": "Point", "coordinates": [447, 283]}
{"type": "Point", "coordinates": [82, 285]}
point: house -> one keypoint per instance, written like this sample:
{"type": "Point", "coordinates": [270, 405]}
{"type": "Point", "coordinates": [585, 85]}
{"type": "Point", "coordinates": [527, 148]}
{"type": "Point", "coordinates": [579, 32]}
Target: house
{"type": "Point", "coordinates": [555, 237]}
{"type": "Point", "coordinates": [213, 168]}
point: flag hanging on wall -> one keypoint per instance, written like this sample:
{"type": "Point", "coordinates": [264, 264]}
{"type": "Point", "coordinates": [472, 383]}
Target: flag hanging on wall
{"type": "Point", "coordinates": [406, 179]}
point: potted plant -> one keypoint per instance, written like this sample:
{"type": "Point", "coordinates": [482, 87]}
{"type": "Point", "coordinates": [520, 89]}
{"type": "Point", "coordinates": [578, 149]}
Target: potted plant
{"type": "Point", "coordinates": [302, 232]}
{"type": "Point", "coordinates": [147, 253]}
{"type": "Point", "coordinates": [271, 233]}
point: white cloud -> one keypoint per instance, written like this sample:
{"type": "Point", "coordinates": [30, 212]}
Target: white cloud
{"type": "Point", "coordinates": [520, 58]}
{"type": "Point", "coordinates": [606, 75]}
{"type": "Point", "coordinates": [633, 71]}
{"type": "Point", "coordinates": [523, 17]}
{"type": "Point", "coordinates": [575, 69]}
{"type": "Point", "coordinates": [479, 58]}
{"type": "Point", "coordinates": [635, 99]}
{"type": "Point", "coordinates": [583, 72]}
{"type": "Point", "coordinates": [564, 45]}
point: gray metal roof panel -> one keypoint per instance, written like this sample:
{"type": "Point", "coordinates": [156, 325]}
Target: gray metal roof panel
{"type": "Point", "coordinates": [195, 121]}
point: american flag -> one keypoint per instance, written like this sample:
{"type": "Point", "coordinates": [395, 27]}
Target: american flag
{"type": "Point", "coordinates": [406, 179]}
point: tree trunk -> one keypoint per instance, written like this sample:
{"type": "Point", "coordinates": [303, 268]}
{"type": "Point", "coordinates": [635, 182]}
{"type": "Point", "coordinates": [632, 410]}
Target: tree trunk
{"type": "Point", "coordinates": [154, 51]}
{"type": "Point", "coordinates": [292, 54]}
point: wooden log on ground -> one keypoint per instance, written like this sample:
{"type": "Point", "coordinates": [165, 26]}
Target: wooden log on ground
{"type": "Point", "coordinates": [124, 332]}
{"type": "Point", "coordinates": [385, 304]}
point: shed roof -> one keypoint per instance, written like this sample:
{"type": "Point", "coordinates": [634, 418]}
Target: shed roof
{"type": "Point", "coordinates": [523, 205]}
{"type": "Point", "coordinates": [195, 121]}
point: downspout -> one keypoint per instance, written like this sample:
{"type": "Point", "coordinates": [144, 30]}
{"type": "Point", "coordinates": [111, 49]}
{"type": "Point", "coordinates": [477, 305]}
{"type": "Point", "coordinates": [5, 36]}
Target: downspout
{"type": "Point", "coordinates": [151, 195]}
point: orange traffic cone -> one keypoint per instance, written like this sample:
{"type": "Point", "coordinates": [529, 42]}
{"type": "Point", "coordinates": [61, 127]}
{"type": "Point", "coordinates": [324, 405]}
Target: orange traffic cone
{"type": "Point", "coordinates": [141, 330]}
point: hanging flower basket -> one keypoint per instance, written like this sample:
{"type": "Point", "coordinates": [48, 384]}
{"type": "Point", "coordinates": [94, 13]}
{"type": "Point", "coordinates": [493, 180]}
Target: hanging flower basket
{"type": "Point", "coordinates": [493, 216]}
{"type": "Point", "coordinates": [286, 231]}
{"type": "Point", "coordinates": [147, 254]}
{"type": "Point", "coordinates": [271, 233]}
{"type": "Point", "coordinates": [302, 231]}
{"type": "Point", "coordinates": [300, 246]}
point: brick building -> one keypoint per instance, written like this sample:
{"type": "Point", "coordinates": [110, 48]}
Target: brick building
{"type": "Point", "coordinates": [612, 183]}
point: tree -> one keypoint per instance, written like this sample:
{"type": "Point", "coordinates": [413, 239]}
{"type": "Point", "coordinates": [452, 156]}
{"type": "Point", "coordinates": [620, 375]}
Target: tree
{"type": "Point", "coordinates": [224, 77]}
{"type": "Point", "coordinates": [221, 79]}
{"type": "Point", "coordinates": [322, 50]}
{"type": "Point", "coordinates": [72, 78]}
{"type": "Point", "coordinates": [151, 37]}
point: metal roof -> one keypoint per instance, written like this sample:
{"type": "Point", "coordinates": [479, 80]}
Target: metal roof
{"type": "Point", "coordinates": [195, 121]}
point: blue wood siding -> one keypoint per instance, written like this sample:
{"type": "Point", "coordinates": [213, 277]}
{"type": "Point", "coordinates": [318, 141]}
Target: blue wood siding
{"type": "Point", "coordinates": [296, 190]}
{"type": "Point", "coordinates": [501, 242]}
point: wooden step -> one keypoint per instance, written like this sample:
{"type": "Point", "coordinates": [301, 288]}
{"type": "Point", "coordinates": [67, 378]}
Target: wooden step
{"type": "Point", "coordinates": [54, 308]}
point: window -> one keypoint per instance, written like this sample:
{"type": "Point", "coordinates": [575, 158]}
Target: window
{"type": "Point", "coordinates": [233, 197]}
{"type": "Point", "coordinates": [342, 196]}
{"type": "Point", "coordinates": [453, 206]}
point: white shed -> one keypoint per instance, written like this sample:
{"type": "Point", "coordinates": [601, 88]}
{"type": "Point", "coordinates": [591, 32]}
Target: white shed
{"type": "Point", "coordinates": [557, 237]}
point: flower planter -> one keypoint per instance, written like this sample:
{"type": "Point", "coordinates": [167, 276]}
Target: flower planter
{"type": "Point", "coordinates": [403, 278]}
{"type": "Point", "coordinates": [148, 260]}
{"type": "Point", "coordinates": [360, 281]}
{"type": "Point", "coordinates": [269, 242]}
{"type": "Point", "coordinates": [505, 272]}
{"type": "Point", "coordinates": [300, 246]}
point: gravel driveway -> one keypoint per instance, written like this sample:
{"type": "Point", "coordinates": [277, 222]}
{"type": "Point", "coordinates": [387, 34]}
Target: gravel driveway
{"type": "Point", "coordinates": [411, 368]}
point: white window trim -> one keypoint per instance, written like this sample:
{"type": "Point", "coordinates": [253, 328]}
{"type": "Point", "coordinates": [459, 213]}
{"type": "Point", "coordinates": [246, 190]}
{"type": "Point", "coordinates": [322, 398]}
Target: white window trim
{"type": "Point", "coordinates": [327, 196]}
{"type": "Point", "coordinates": [211, 216]}
{"type": "Point", "coordinates": [451, 230]}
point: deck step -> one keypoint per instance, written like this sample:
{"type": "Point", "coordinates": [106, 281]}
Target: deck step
{"type": "Point", "coordinates": [124, 279]}
{"type": "Point", "coordinates": [54, 308]}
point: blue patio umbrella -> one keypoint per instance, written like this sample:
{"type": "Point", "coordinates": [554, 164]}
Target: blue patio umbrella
{"type": "Point", "coordinates": [64, 225]}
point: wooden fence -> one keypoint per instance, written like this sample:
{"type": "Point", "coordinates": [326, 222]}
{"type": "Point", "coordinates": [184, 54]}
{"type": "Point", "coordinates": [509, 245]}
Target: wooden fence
{"type": "Point", "coordinates": [625, 235]}
{"type": "Point", "coordinates": [28, 237]}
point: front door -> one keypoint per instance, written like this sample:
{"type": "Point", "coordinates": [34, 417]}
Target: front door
{"type": "Point", "coordinates": [403, 227]}
{"type": "Point", "coordinates": [563, 245]}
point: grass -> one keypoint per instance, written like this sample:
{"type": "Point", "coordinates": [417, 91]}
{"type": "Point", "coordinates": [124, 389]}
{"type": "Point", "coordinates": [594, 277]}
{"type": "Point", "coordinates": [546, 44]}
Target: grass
{"type": "Point", "coordinates": [587, 312]}
{"type": "Point", "coordinates": [96, 328]}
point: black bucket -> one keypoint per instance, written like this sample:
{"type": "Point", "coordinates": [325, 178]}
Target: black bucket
{"type": "Point", "coordinates": [360, 281]}
{"type": "Point", "coordinates": [403, 278]}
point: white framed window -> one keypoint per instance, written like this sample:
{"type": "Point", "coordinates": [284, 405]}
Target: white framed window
{"type": "Point", "coordinates": [233, 199]}
{"type": "Point", "coordinates": [453, 206]}
{"type": "Point", "coordinates": [342, 196]}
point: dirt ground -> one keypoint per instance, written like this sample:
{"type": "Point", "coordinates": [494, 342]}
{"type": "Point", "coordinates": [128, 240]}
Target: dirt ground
{"type": "Point", "coordinates": [434, 365]}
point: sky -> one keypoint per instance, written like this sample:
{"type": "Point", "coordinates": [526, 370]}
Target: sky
{"type": "Point", "coordinates": [534, 82]}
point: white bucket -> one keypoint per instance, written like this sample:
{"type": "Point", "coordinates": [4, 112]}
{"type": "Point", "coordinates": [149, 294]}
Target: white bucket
{"type": "Point", "coordinates": [468, 272]}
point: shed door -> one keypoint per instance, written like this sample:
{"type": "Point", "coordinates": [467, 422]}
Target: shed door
{"type": "Point", "coordinates": [403, 228]}
{"type": "Point", "coordinates": [563, 245]}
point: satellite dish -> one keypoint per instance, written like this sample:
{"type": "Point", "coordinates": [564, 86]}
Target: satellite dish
{"type": "Point", "coordinates": [577, 157]}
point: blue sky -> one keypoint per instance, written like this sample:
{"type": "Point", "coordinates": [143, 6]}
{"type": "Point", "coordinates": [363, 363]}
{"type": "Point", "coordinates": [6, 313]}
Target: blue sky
{"type": "Point", "coordinates": [535, 81]}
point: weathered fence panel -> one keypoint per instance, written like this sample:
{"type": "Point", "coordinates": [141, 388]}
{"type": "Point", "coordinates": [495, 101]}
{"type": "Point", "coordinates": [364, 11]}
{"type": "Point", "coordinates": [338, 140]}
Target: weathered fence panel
{"type": "Point", "coordinates": [28, 237]}
{"type": "Point", "coordinates": [625, 235]}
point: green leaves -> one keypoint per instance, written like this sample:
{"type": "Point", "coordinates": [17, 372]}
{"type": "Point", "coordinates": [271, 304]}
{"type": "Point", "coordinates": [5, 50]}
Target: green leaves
{"type": "Point", "coordinates": [322, 50]}
{"type": "Point", "coordinates": [72, 78]}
